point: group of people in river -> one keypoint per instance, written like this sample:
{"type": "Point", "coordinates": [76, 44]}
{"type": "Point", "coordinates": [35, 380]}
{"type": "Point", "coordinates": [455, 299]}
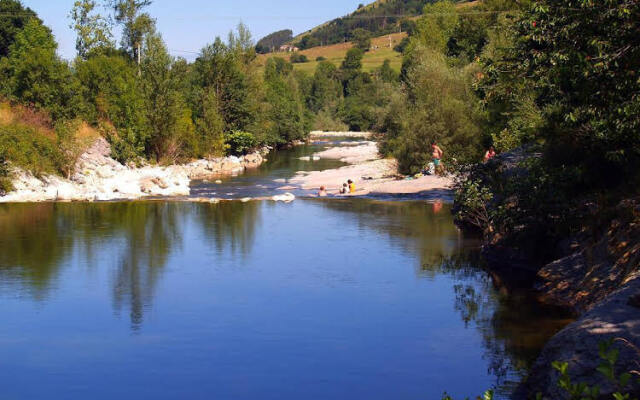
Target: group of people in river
{"type": "Point", "coordinates": [347, 188]}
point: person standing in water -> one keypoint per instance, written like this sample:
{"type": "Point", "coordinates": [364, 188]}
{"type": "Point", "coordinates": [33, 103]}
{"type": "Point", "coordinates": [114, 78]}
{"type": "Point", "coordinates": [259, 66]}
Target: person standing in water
{"type": "Point", "coordinates": [322, 192]}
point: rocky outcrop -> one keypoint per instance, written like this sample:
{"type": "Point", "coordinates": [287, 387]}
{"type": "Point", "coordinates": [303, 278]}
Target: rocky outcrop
{"type": "Point", "coordinates": [600, 282]}
{"type": "Point", "coordinates": [617, 318]}
{"type": "Point", "coordinates": [98, 177]}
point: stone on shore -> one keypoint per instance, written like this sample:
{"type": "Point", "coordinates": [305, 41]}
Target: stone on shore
{"type": "Point", "coordinates": [100, 177]}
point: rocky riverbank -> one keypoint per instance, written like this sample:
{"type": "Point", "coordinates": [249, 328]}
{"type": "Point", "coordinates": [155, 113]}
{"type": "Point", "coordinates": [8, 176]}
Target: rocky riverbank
{"type": "Point", "coordinates": [594, 274]}
{"type": "Point", "coordinates": [98, 177]}
{"type": "Point", "coordinates": [599, 281]}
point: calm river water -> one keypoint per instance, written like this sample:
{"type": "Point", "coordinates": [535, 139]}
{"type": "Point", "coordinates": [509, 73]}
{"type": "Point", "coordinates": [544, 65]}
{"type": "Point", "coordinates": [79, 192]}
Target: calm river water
{"type": "Point", "coordinates": [333, 299]}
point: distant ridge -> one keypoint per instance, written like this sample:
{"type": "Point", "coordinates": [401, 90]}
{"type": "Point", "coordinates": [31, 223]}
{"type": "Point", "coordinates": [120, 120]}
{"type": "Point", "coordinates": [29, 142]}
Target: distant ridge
{"type": "Point", "coordinates": [379, 18]}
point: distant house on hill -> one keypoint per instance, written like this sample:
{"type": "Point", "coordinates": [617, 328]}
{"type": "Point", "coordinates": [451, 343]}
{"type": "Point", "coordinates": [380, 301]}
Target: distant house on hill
{"type": "Point", "coordinates": [288, 48]}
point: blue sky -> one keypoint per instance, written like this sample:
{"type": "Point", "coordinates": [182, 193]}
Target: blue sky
{"type": "Point", "coordinates": [187, 25]}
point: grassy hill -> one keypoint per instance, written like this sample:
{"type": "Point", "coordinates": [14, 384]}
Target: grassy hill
{"type": "Point", "coordinates": [382, 48]}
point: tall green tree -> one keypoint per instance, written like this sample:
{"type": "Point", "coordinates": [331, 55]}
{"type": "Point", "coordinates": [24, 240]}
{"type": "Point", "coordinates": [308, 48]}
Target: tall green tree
{"type": "Point", "coordinates": [223, 69]}
{"type": "Point", "coordinates": [171, 127]}
{"type": "Point", "coordinates": [136, 24]}
{"type": "Point", "coordinates": [34, 74]}
{"type": "Point", "coordinates": [326, 90]}
{"type": "Point", "coordinates": [92, 30]}
{"type": "Point", "coordinates": [15, 17]}
{"type": "Point", "coordinates": [110, 86]}
{"type": "Point", "coordinates": [210, 126]}
{"type": "Point", "coordinates": [285, 104]}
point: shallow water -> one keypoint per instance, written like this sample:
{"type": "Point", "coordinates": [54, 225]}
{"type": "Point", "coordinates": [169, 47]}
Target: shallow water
{"type": "Point", "coordinates": [348, 299]}
{"type": "Point", "coordinates": [274, 175]}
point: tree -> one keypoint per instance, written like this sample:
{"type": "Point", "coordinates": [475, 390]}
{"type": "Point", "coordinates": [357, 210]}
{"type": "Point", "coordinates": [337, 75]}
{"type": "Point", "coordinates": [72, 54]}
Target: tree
{"type": "Point", "coordinates": [438, 105]}
{"type": "Point", "coordinates": [386, 73]}
{"type": "Point", "coordinates": [136, 24]}
{"type": "Point", "coordinates": [241, 44]}
{"type": "Point", "coordinates": [93, 31]}
{"type": "Point", "coordinates": [111, 88]}
{"type": "Point", "coordinates": [285, 105]}
{"type": "Point", "coordinates": [436, 26]}
{"type": "Point", "coordinates": [171, 129]}
{"type": "Point", "coordinates": [298, 58]}
{"type": "Point", "coordinates": [584, 67]}
{"type": "Point", "coordinates": [33, 73]}
{"type": "Point", "coordinates": [361, 39]}
{"type": "Point", "coordinates": [224, 70]}
{"type": "Point", "coordinates": [326, 90]}
{"type": "Point", "coordinates": [16, 18]}
{"type": "Point", "coordinates": [210, 126]}
{"type": "Point", "coordinates": [351, 66]}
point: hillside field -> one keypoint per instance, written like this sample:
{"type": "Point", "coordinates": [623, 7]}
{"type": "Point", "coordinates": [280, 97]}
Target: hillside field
{"type": "Point", "coordinates": [382, 49]}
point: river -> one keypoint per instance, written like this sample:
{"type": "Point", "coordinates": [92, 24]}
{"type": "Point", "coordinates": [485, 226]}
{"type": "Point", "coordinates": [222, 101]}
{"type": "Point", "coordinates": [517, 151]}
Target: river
{"type": "Point", "coordinates": [314, 299]}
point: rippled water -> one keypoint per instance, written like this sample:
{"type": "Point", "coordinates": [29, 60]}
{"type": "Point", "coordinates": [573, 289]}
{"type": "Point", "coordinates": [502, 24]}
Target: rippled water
{"type": "Point", "coordinates": [353, 299]}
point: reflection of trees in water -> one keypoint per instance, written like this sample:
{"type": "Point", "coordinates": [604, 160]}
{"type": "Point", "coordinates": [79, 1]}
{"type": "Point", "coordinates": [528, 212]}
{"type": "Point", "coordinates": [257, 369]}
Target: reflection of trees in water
{"type": "Point", "coordinates": [36, 239]}
{"type": "Point", "coordinates": [230, 223]}
{"type": "Point", "coordinates": [152, 231]}
{"type": "Point", "coordinates": [33, 244]}
{"type": "Point", "coordinates": [513, 327]}
{"type": "Point", "coordinates": [412, 225]}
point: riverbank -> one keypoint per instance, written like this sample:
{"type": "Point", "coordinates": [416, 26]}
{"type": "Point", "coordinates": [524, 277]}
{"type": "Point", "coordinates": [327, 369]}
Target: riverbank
{"type": "Point", "coordinates": [372, 175]}
{"type": "Point", "coordinates": [591, 270]}
{"type": "Point", "coordinates": [99, 177]}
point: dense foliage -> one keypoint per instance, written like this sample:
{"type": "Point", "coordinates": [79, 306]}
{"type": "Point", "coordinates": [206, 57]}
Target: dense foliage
{"type": "Point", "coordinates": [273, 41]}
{"type": "Point", "coordinates": [559, 90]}
{"type": "Point", "coordinates": [147, 103]}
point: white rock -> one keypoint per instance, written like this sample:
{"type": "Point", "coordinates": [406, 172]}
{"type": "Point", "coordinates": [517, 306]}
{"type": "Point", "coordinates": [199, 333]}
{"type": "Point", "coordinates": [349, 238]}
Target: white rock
{"type": "Point", "coordinates": [287, 197]}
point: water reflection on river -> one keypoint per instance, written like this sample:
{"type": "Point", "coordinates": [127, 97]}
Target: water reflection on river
{"type": "Point", "coordinates": [313, 299]}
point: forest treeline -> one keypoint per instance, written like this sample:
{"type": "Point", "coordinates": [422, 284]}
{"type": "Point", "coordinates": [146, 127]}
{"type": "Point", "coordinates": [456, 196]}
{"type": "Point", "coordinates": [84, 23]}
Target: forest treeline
{"type": "Point", "coordinates": [378, 18]}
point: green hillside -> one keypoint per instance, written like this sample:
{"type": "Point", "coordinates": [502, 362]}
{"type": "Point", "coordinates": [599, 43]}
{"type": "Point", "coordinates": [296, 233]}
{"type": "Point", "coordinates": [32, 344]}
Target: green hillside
{"type": "Point", "coordinates": [379, 18]}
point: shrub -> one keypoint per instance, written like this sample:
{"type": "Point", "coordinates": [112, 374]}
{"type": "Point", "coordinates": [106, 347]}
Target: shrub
{"type": "Point", "coordinates": [298, 58]}
{"type": "Point", "coordinates": [472, 203]}
{"type": "Point", "coordinates": [240, 142]}
{"type": "Point", "coordinates": [71, 145]}
{"type": "Point", "coordinates": [325, 120]}
{"type": "Point", "coordinates": [321, 58]}
{"type": "Point", "coordinates": [5, 181]}
{"type": "Point", "coordinates": [28, 149]}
